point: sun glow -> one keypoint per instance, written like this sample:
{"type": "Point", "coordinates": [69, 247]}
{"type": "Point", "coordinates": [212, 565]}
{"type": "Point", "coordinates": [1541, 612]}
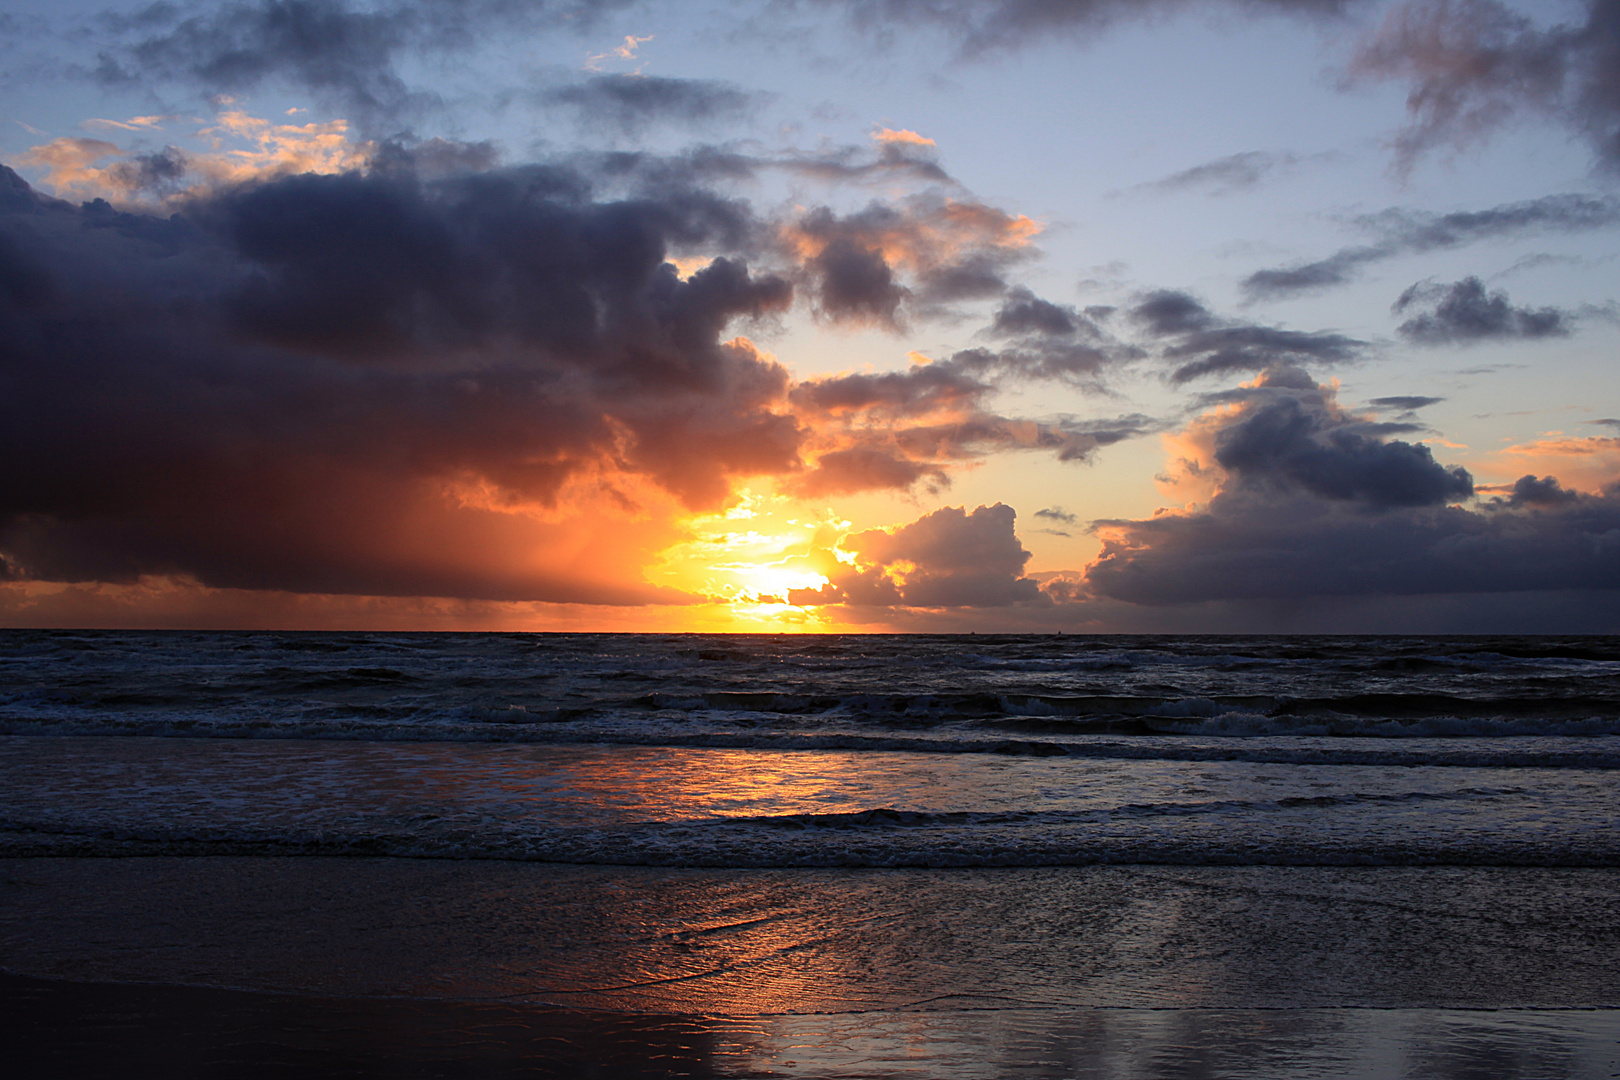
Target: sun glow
{"type": "Point", "coordinates": [752, 557]}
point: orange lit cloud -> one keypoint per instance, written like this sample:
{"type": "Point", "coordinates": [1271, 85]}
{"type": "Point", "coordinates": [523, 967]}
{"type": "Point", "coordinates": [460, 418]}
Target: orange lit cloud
{"type": "Point", "coordinates": [626, 51]}
{"type": "Point", "coordinates": [242, 148]}
{"type": "Point", "coordinates": [72, 165]}
{"type": "Point", "coordinates": [889, 135]}
{"type": "Point", "coordinates": [1583, 464]}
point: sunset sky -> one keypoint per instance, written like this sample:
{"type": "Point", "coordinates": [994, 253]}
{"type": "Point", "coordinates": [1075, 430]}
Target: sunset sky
{"type": "Point", "coordinates": [737, 315]}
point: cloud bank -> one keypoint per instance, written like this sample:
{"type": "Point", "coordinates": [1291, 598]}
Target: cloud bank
{"type": "Point", "coordinates": [1303, 499]}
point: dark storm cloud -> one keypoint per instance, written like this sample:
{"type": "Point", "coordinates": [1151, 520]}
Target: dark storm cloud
{"type": "Point", "coordinates": [1404, 232]}
{"type": "Point", "coordinates": [949, 558]}
{"type": "Point", "coordinates": [1541, 491]}
{"type": "Point", "coordinates": [694, 167]}
{"type": "Point", "coordinates": [1200, 344]}
{"type": "Point", "coordinates": [1235, 172]}
{"type": "Point", "coordinates": [1462, 313]}
{"type": "Point", "coordinates": [1313, 502]}
{"type": "Point", "coordinates": [433, 158]}
{"type": "Point", "coordinates": [1247, 546]}
{"type": "Point", "coordinates": [631, 102]}
{"type": "Point", "coordinates": [276, 387]}
{"type": "Point", "coordinates": [347, 53]}
{"type": "Point", "coordinates": [1290, 439]}
{"type": "Point", "coordinates": [1473, 65]}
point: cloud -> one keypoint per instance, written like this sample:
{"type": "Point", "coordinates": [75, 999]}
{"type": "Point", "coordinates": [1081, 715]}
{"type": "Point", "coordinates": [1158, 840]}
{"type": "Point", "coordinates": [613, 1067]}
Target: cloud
{"type": "Point", "coordinates": [946, 559]}
{"type": "Point", "coordinates": [243, 148]}
{"type": "Point", "coordinates": [1405, 402]}
{"type": "Point", "coordinates": [347, 54]}
{"type": "Point", "coordinates": [1201, 344]}
{"type": "Point", "coordinates": [1536, 491]}
{"type": "Point", "coordinates": [926, 389]}
{"type": "Point", "coordinates": [1235, 172]}
{"type": "Point", "coordinates": [1244, 547]}
{"type": "Point", "coordinates": [1057, 513]}
{"type": "Point", "coordinates": [429, 375]}
{"type": "Point", "coordinates": [1462, 313]}
{"type": "Point", "coordinates": [134, 123]}
{"type": "Point", "coordinates": [981, 26]}
{"type": "Point", "coordinates": [1023, 313]}
{"type": "Point", "coordinates": [489, 385]}
{"type": "Point", "coordinates": [885, 160]}
{"type": "Point", "coordinates": [1402, 232]}
{"type": "Point", "coordinates": [71, 164]}
{"type": "Point", "coordinates": [626, 51]}
{"type": "Point", "coordinates": [1046, 341]}
{"type": "Point", "coordinates": [905, 136]}
{"type": "Point", "coordinates": [1474, 65]}
{"type": "Point", "coordinates": [871, 265]}
{"type": "Point", "coordinates": [898, 429]}
{"type": "Point", "coordinates": [1584, 463]}
{"type": "Point", "coordinates": [633, 102]}
{"type": "Point", "coordinates": [884, 164]}
{"type": "Point", "coordinates": [1309, 501]}
{"type": "Point", "coordinates": [1286, 433]}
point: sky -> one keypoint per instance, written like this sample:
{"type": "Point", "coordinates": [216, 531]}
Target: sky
{"type": "Point", "coordinates": [1080, 316]}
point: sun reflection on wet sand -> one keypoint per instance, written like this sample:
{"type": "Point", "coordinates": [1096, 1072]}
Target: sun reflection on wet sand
{"type": "Point", "coordinates": [1096, 972]}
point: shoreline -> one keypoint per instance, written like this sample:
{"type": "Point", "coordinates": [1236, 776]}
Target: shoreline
{"type": "Point", "coordinates": [230, 966]}
{"type": "Point", "coordinates": [753, 942]}
{"type": "Point", "coordinates": [142, 1030]}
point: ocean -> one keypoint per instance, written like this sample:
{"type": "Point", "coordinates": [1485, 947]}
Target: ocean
{"type": "Point", "coordinates": [841, 855]}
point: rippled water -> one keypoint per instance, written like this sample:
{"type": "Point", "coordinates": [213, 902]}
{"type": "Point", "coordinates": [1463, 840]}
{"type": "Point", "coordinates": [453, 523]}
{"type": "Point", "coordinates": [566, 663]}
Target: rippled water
{"type": "Point", "coordinates": [762, 751]}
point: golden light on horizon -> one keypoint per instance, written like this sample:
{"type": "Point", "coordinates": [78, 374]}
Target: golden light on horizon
{"type": "Point", "coordinates": [751, 557]}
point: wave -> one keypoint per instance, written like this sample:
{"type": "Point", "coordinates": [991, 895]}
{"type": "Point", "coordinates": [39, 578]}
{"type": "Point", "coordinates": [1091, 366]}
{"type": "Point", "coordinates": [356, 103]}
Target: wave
{"type": "Point", "coordinates": [1372, 715]}
{"type": "Point", "coordinates": [1184, 742]}
{"type": "Point", "coordinates": [1244, 835]}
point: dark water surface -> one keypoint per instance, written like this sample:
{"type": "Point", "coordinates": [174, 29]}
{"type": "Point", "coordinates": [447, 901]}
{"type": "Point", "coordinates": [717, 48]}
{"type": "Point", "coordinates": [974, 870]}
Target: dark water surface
{"type": "Point", "coordinates": [814, 856]}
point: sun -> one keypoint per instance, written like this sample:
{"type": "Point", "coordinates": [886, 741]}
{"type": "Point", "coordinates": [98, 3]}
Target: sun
{"type": "Point", "coordinates": [771, 583]}
{"type": "Point", "coordinates": [756, 558]}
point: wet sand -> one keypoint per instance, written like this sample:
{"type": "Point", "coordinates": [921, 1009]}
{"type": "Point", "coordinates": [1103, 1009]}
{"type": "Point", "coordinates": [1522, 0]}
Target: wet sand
{"type": "Point", "coordinates": [326, 967]}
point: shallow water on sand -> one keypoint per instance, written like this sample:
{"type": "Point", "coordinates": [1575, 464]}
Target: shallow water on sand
{"type": "Point", "coordinates": [403, 966]}
{"type": "Point", "coordinates": [184, 1032]}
